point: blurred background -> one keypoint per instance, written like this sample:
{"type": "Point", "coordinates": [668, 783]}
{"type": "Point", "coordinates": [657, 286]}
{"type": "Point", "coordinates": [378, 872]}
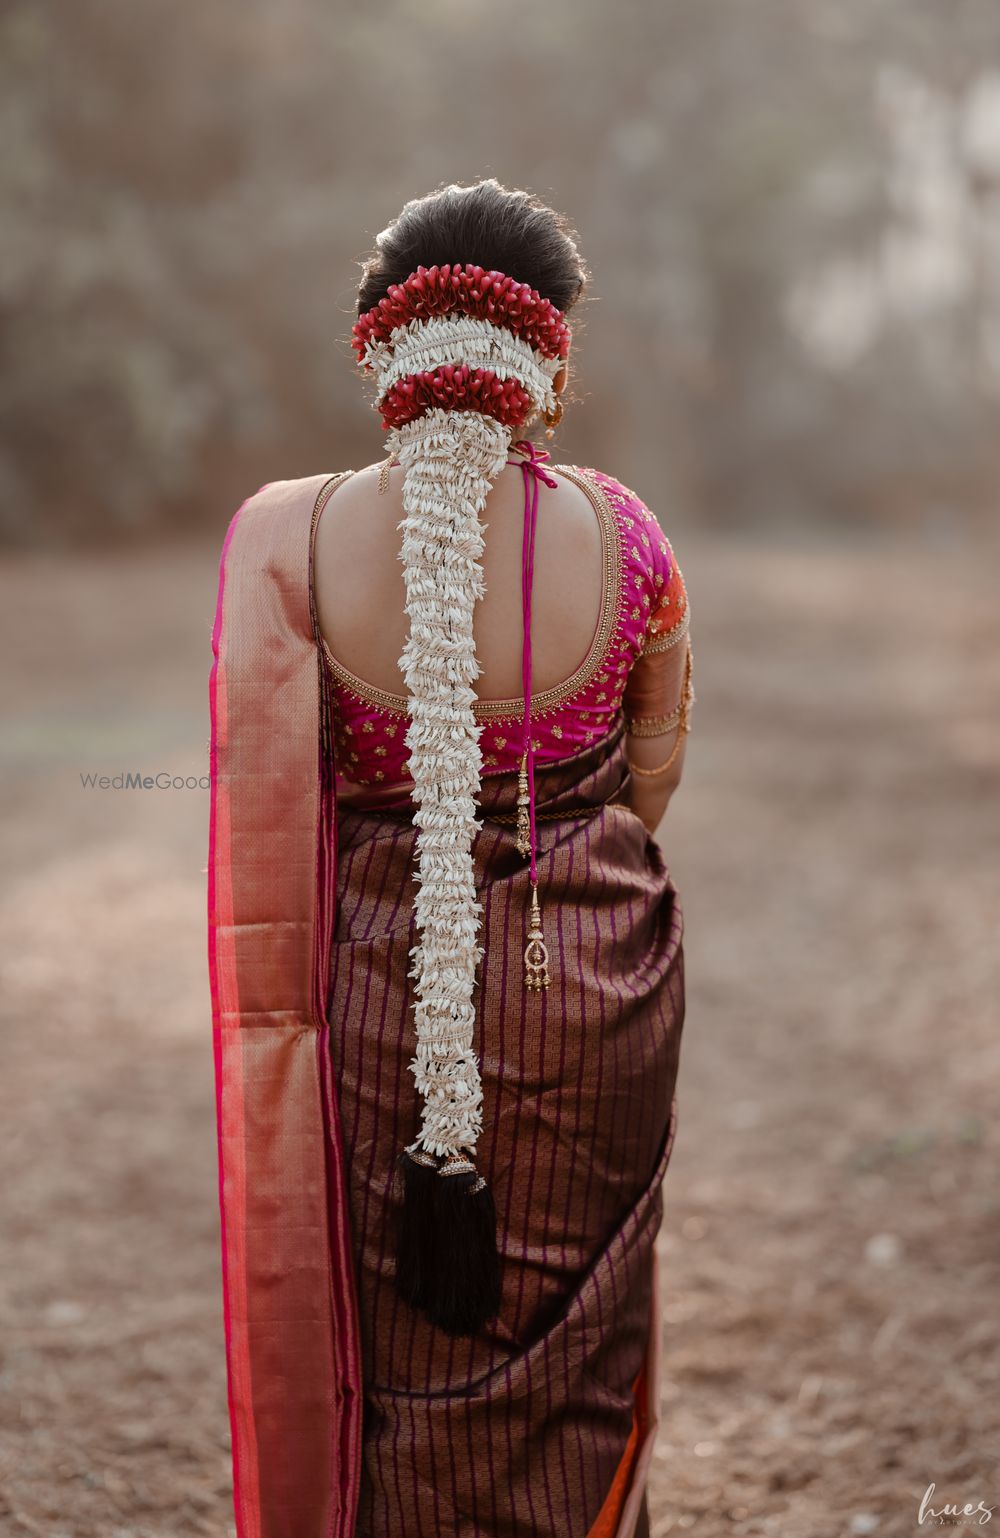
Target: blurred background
{"type": "Point", "coordinates": [791, 351]}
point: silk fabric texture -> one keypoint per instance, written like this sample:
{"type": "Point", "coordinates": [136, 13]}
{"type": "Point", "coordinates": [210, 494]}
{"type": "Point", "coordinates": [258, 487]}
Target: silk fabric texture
{"type": "Point", "coordinates": [350, 1416]}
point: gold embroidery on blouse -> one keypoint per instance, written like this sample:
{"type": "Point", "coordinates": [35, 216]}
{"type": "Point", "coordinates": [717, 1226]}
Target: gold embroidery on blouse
{"type": "Point", "coordinates": [545, 700]}
{"type": "Point", "coordinates": [669, 638]}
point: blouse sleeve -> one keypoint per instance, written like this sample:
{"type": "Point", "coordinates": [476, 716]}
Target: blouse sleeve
{"type": "Point", "coordinates": [658, 692]}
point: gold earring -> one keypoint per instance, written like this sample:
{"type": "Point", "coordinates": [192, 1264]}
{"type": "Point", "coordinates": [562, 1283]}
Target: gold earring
{"type": "Point", "coordinates": [552, 418]}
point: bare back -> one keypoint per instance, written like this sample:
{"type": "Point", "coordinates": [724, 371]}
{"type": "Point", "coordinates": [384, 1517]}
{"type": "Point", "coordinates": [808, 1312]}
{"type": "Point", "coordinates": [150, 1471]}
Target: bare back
{"type": "Point", "coordinates": [360, 594]}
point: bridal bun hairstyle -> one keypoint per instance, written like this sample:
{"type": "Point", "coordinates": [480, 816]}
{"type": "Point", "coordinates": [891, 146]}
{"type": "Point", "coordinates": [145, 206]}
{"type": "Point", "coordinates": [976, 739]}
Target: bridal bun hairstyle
{"type": "Point", "coordinates": [486, 224]}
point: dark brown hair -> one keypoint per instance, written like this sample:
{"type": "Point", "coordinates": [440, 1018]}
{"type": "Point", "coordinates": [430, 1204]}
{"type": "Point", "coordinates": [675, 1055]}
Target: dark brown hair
{"type": "Point", "coordinates": [486, 224]}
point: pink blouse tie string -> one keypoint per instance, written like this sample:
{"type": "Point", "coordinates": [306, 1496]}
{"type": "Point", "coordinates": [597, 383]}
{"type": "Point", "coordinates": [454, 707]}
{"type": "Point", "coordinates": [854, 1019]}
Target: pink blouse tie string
{"type": "Point", "coordinates": [536, 974]}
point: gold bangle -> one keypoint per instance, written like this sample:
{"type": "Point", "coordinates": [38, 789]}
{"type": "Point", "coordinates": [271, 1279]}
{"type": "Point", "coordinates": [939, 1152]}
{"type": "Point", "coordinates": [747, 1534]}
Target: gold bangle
{"type": "Point", "coordinates": [653, 726]}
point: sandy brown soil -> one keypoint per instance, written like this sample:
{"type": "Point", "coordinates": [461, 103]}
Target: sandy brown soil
{"type": "Point", "coordinates": [831, 1242]}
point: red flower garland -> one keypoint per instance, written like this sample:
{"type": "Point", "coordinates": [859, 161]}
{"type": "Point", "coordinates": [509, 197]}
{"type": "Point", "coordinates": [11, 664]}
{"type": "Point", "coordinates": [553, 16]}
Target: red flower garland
{"type": "Point", "coordinates": [456, 387]}
{"type": "Point", "coordinates": [472, 290]}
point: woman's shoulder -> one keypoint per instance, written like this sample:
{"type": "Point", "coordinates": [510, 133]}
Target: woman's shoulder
{"type": "Point", "coordinates": [621, 495]}
{"type": "Point", "coordinates": [644, 529]}
{"type": "Point", "coordinates": [286, 493]}
{"type": "Point", "coordinates": [651, 569]}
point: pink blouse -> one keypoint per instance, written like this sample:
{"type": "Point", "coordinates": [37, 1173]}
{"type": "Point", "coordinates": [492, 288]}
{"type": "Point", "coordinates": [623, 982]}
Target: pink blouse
{"type": "Point", "coordinates": [643, 609]}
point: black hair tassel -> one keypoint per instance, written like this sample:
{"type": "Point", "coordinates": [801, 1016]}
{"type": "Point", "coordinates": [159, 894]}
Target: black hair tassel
{"type": "Point", "coordinates": [447, 1260]}
{"type": "Point", "coordinates": [415, 1261]}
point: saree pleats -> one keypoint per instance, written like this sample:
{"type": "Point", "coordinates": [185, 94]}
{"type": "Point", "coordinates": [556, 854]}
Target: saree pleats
{"type": "Point", "coordinates": [523, 1430]}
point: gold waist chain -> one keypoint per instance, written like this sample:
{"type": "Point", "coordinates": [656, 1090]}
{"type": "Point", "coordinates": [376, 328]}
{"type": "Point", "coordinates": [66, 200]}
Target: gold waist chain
{"type": "Point", "coordinates": [566, 811]}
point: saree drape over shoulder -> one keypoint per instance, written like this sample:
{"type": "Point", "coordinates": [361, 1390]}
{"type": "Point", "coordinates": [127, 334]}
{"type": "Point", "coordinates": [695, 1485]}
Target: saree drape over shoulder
{"type": "Point", "coordinates": [351, 1415]}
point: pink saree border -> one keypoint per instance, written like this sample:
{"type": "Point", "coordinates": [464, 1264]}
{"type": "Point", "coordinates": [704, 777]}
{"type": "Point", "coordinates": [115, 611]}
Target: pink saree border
{"type": "Point", "coordinates": [224, 988]}
{"type": "Point", "coordinates": [287, 1257]}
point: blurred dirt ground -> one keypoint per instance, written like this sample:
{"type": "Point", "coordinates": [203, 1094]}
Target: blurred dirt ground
{"type": "Point", "coordinates": [831, 1241]}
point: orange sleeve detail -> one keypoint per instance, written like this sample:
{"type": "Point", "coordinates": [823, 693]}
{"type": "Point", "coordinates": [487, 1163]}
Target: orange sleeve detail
{"type": "Point", "coordinates": [670, 608]}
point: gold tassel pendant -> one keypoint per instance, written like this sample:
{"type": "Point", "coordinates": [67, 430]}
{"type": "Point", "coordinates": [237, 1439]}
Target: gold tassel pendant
{"type": "Point", "coordinates": [523, 840]}
{"type": "Point", "coordinates": [536, 956]}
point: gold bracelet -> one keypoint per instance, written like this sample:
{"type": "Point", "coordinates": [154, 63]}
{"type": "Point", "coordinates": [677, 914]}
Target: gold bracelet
{"type": "Point", "coordinates": [653, 726]}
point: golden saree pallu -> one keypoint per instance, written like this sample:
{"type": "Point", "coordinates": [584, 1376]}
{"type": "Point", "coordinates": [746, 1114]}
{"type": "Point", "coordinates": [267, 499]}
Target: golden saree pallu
{"type": "Point", "coordinates": [352, 1414]}
{"type": "Point", "coordinates": [291, 1320]}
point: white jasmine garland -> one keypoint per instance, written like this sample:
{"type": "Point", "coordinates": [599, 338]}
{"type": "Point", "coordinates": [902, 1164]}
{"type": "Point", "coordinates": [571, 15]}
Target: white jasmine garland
{"type": "Point", "coordinates": [450, 459]}
{"type": "Point", "coordinates": [458, 339]}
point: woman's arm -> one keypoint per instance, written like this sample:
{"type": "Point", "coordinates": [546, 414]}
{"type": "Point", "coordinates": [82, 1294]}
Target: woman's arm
{"type": "Point", "coordinates": [657, 703]}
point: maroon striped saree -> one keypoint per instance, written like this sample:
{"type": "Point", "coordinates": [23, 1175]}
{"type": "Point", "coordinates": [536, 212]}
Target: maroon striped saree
{"type": "Point", "coordinates": [351, 1416]}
